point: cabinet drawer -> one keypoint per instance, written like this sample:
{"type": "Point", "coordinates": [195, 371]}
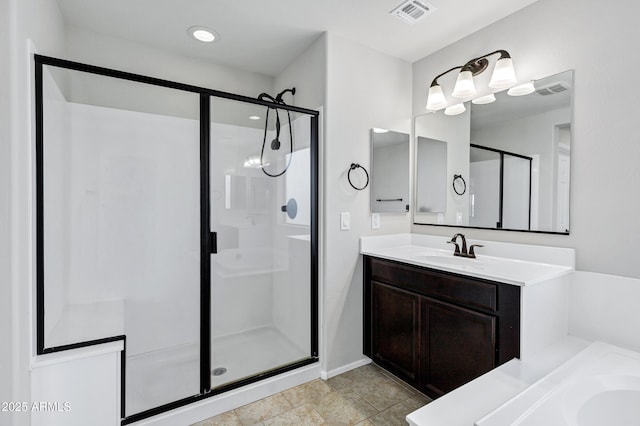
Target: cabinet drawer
{"type": "Point", "coordinates": [453, 288]}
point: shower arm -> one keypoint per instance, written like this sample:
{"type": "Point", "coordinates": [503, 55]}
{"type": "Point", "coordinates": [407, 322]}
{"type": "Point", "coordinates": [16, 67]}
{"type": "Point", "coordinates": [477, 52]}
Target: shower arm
{"type": "Point", "coordinates": [278, 99]}
{"type": "Point", "coordinates": [281, 94]}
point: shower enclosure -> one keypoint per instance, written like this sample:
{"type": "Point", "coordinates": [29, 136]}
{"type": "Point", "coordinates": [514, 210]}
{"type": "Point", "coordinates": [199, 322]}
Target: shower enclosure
{"type": "Point", "coordinates": [168, 218]}
{"type": "Point", "coordinates": [500, 186]}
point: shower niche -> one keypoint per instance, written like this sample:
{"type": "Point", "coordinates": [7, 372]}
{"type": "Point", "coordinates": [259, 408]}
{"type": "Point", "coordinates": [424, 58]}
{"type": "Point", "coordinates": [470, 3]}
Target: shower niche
{"type": "Point", "coordinates": [156, 225]}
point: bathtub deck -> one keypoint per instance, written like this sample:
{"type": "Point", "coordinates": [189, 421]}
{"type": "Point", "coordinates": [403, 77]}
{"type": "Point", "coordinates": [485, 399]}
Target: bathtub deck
{"type": "Point", "coordinates": [597, 382]}
{"type": "Point", "coordinates": [482, 395]}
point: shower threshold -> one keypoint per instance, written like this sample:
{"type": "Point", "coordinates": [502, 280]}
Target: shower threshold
{"type": "Point", "coordinates": [243, 355]}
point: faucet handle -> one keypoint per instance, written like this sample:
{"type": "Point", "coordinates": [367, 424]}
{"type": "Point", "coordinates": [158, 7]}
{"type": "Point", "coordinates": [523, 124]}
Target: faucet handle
{"type": "Point", "coordinates": [457, 249]}
{"type": "Point", "coordinates": [471, 249]}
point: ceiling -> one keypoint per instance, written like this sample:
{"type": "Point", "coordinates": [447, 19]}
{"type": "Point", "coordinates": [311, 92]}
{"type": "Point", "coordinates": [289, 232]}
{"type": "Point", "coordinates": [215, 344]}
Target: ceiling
{"type": "Point", "coordinates": [266, 35]}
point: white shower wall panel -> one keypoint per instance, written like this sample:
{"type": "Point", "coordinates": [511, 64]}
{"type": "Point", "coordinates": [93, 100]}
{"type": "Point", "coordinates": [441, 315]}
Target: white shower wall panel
{"type": "Point", "coordinates": [135, 221]}
{"type": "Point", "coordinates": [56, 197]}
{"type": "Point", "coordinates": [240, 303]}
{"type": "Point", "coordinates": [292, 292]}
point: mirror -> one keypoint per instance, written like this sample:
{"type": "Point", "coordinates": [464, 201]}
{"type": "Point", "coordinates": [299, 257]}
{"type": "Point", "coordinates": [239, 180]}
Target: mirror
{"type": "Point", "coordinates": [389, 171]}
{"type": "Point", "coordinates": [431, 176]}
{"type": "Point", "coordinates": [513, 156]}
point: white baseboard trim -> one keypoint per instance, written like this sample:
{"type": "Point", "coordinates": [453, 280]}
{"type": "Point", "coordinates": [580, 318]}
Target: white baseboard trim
{"type": "Point", "coordinates": [215, 405]}
{"type": "Point", "coordinates": [324, 375]}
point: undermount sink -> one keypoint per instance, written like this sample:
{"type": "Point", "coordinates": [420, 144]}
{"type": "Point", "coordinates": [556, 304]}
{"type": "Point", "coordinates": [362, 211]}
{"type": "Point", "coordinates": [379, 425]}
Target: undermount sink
{"type": "Point", "coordinates": [450, 260]}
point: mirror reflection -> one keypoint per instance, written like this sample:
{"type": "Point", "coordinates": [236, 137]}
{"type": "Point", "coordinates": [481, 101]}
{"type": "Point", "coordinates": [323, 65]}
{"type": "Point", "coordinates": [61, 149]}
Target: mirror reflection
{"type": "Point", "coordinates": [514, 155]}
{"type": "Point", "coordinates": [431, 179]}
{"type": "Point", "coordinates": [389, 171]}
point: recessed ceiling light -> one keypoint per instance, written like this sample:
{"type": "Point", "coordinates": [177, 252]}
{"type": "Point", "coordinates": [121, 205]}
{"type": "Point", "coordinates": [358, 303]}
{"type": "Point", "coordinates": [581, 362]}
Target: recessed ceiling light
{"type": "Point", "coordinates": [202, 34]}
{"type": "Point", "coordinates": [254, 117]}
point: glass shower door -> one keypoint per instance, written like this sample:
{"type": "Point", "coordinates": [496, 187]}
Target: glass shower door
{"type": "Point", "coordinates": [261, 212]}
{"type": "Point", "coordinates": [121, 215]}
{"type": "Point", "coordinates": [516, 192]}
{"type": "Point", "coordinates": [484, 188]}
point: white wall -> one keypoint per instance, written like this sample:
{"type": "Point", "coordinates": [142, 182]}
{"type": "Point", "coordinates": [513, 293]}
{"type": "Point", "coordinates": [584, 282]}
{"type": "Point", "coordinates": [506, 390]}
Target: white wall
{"type": "Point", "coordinates": [365, 89]}
{"type": "Point", "coordinates": [308, 74]}
{"type": "Point", "coordinates": [6, 32]}
{"type": "Point", "coordinates": [548, 37]}
{"type": "Point", "coordinates": [40, 22]}
{"type": "Point", "coordinates": [605, 307]}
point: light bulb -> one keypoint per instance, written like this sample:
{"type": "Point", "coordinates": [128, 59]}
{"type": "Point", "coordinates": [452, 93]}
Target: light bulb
{"type": "Point", "coordinates": [202, 34]}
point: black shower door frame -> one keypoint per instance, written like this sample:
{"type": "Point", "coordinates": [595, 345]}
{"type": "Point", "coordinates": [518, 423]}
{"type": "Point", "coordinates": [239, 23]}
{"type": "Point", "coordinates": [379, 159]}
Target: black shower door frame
{"type": "Point", "coordinates": [207, 236]}
{"type": "Point", "coordinates": [502, 153]}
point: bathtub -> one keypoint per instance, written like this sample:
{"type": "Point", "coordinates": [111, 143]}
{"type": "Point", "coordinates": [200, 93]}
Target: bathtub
{"type": "Point", "coordinates": [599, 386]}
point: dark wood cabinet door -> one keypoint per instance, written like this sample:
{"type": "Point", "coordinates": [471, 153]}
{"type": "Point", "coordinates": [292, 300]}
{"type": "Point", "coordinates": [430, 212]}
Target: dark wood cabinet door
{"type": "Point", "coordinates": [394, 329]}
{"type": "Point", "coordinates": [457, 345]}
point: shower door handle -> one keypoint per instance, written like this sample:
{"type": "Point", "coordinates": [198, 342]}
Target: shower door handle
{"type": "Point", "coordinates": [213, 242]}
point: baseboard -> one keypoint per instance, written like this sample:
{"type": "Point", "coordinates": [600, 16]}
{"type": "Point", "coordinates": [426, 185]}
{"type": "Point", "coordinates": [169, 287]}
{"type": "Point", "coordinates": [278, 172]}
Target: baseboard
{"type": "Point", "coordinates": [343, 369]}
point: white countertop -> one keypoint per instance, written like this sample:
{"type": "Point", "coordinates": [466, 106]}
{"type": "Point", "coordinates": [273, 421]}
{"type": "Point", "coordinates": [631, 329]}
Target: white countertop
{"type": "Point", "coordinates": [474, 400]}
{"type": "Point", "coordinates": [516, 264]}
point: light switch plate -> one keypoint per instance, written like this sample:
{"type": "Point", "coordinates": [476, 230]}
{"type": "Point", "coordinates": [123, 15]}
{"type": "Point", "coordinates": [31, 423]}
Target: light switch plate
{"type": "Point", "coordinates": [375, 220]}
{"type": "Point", "coordinates": [345, 221]}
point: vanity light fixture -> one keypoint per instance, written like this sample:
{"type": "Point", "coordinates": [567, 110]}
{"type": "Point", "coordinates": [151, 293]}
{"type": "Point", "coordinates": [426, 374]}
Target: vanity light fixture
{"type": "Point", "coordinates": [379, 130]}
{"type": "Point", "coordinates": [503, 77]}
{"type": "Point", "coordinates": [254, 117]}
{"type": "Point", "coordinates": [464, 87]}
{"type": "Point", "coordinates": [202, 34]}
{"type": "Point", "coordinates": [455, 109]}
{"type": "Point", "coordinates": [521, 90]}
{"type": "Point", "coordinates": [484, 99]}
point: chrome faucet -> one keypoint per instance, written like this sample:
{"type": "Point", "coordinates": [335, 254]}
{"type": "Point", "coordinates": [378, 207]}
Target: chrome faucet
{"type": "Point", "coordinates": [463, 253]}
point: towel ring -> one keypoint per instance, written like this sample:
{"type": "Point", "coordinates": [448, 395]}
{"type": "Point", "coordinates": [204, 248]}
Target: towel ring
{"type": "Point", "coordinates": [464, 185]}
{"type": "Point", "coordinates": [352, 168]}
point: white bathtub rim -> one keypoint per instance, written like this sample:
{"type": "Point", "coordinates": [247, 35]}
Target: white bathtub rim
{"type": "Point", "coordinates": [559, 380]}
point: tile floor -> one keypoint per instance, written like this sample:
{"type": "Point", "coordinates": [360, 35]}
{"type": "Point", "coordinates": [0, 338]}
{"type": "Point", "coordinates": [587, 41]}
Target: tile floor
{"type": "Point", "coordinates": [364, 396]}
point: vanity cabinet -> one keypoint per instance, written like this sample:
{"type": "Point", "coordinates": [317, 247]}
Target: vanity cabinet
{"type": "Point", "coordinates": [395, 335]}
{"type": "Point", "coordinates": [437, 330]}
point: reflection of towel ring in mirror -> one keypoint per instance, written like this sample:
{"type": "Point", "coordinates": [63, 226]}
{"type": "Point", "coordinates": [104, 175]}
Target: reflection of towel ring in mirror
{"type": "Point", "coordinates": [456, 185]}
{"type": "Point", "coordinates": [352, 168]}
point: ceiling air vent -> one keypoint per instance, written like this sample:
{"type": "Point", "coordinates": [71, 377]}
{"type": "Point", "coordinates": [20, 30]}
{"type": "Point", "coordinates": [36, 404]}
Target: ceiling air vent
{"type": "Point", "coordinates": [552, 88]}
{"type": "Point", "coordinates": [412, 11]}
